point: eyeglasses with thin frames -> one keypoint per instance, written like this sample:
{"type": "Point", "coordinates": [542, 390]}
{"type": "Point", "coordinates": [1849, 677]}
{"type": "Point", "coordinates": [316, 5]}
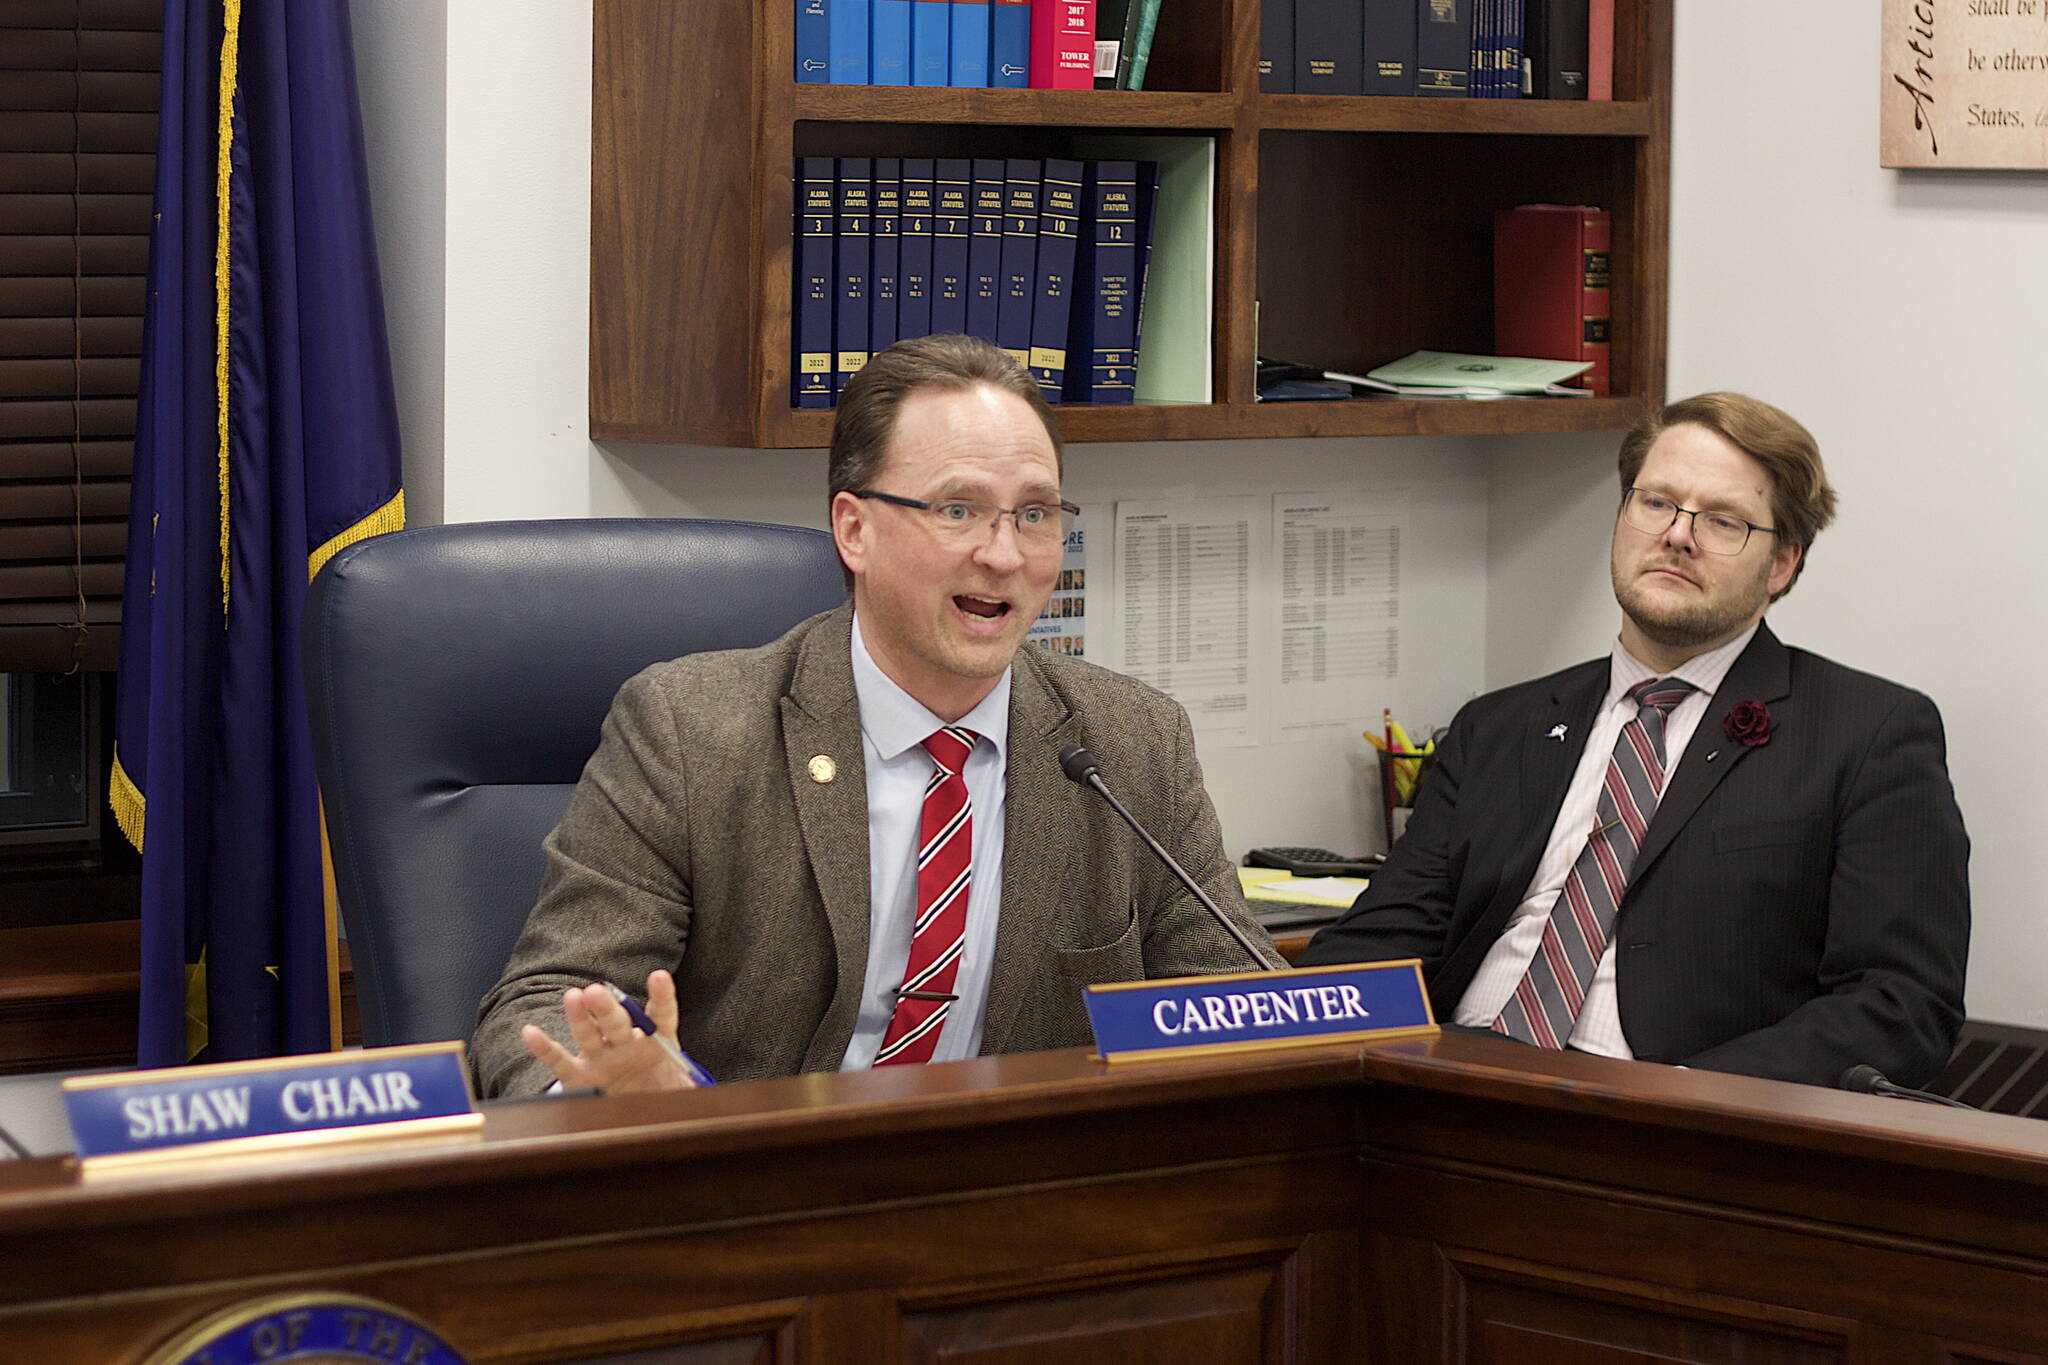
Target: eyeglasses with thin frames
{"type": "Point", "coordinates": [1721, 533]}
{"type": "Point", "coordinates": [1039, 524]}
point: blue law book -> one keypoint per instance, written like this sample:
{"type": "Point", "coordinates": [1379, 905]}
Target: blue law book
{"type": "Point", "coordinates": [847, 21]}
{"type": "Point", "coordinates": [1443, 47]}
{"type": "Point", "coordinates": [889, 43]}
{"type": "Point", "coordinates": [1328, 47]}
{"type": "Point", "coordinates": [952, 195]}
{"type": "Point", "coordinates": [1389, 47]}
{"type": "Point", "coordinates": [812, 290]}
{"type": "Point", "coordinates": [1479, 67]}
{"type": "Point", "coordinates": [914, 229]}
{"type": "Point", "coordinates": [1009, 44]}
{"type": "Point", "coordinates": [1102, 341]}
{"type": "Point", "coordinates": [813, 43]}
{"type": "Point", "coordinates": [985, 249]}
{"type": "Point", "coordinates": [1059, 222]}
{"type": "Point", "coordinates": [855, 206]}
{"type": "Point", "coordinates": [931, 42]}
{"type": "Point", "coordinates": [1276, 46]}
{"type": "Point", "coordinates": [970, 43]}
{"type": "Point", "coordinates": [882, 332]}
{"type": "Point", "coordinates": [1514, 22]}
{"type": "Point", "coordinates": [1021, 186]}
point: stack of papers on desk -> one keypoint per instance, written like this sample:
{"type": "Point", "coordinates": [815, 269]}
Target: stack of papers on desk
{"type": "Point", "coordinates": [1279, 899]}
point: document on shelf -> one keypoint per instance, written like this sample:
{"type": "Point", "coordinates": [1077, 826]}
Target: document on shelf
{"type": "Point", "coordinates": [1184, 586]}
{"type": "Point", "coordinates": [1340, 607]}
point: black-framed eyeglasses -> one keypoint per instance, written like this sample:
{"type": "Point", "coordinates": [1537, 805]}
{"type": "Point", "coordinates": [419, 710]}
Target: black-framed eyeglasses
{"type": "Point", "coordinates": [1721, 533]}
{"type": "Point", "coordinates": [1038, 523]}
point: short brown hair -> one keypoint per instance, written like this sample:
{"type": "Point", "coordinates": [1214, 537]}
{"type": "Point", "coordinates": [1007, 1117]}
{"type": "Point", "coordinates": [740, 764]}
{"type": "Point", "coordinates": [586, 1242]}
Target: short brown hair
{"type": "Point", "coordinates": [1802, 499]}
{"type": "Point", "coordinates": [867, 409]}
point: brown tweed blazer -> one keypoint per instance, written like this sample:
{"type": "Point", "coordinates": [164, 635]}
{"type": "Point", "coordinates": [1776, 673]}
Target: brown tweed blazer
{"type": "Point", "coordinates": [698, 841]}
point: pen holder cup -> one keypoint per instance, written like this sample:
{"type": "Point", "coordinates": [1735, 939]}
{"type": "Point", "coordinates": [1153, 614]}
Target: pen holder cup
{"type": "Point", "coordinates": [1401, 777]}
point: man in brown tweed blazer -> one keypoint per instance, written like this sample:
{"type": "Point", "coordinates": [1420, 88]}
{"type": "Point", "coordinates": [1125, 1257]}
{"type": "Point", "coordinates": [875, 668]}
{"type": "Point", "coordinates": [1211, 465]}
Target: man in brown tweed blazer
{"type": "Point", "coordinates": [719, 845]}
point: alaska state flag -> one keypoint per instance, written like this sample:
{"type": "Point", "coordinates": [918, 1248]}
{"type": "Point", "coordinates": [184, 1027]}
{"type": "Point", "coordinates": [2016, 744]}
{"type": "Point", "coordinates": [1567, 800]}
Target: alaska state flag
{"type": "Point", "coordinates": [266, 439]}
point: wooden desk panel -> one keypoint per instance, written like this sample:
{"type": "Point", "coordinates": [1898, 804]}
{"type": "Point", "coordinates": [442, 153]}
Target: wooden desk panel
{"type": "Point", "coordinates": [1461, 1200]}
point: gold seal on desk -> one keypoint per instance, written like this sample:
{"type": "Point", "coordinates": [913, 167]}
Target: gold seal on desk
{"type": "Point", "coordinates": [821, 768]}
{"type": "Point", "coordinates": [307, 1329]}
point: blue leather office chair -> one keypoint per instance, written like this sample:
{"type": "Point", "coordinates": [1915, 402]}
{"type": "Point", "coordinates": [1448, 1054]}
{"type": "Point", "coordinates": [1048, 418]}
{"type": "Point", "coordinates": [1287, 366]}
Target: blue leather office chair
{"type": "Point", "coordinates": [457, 677]}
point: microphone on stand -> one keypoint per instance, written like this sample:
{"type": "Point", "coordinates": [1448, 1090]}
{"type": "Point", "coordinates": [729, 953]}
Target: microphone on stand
{"type": "Point", "coordinates": [1079, 765]}
{"type": "Point", "coordinates": [1866, 1079]}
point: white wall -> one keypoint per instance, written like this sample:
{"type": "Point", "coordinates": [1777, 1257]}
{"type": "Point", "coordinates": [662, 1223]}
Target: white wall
{"type": "Point", "coordinates": [1895, 313]}
{"type": "Point", "coordinates": [1898, 314]}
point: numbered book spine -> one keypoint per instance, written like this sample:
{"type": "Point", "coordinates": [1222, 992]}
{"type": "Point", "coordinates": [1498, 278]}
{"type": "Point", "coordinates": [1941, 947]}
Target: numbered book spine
{"type": "Point", "coordinates": [855, 206]}
{"type": "Point", "coordinates": [931, 42]}
{"type": "Point", "coordinates": [1009, 44]}
{"type": "Point", "coordinates": [1062, 44]}
{"type": "Point", "coordinates": [812, 289]}
{"type": "Point", "coordinates": [985, 249]}
{"type": "Point", "coordinates": [1276, 47]}
{"type": "Point", "coordinates": [889, 43]}
{"type": "Point", "coordinates": [847, 21]}
{"type": "Point", "coordinates": [1389, 66]}
{"type": "Point", "coordinates": [1328, 47]}
{"type": "Point", "coordinates": [1102, 341]}
{"type": "Point", "coordinates": [1443, 48]}
{"type": "Point", "coordinates": [1021, 189]}
{"type": "Point", "coordinates": [914, 274]}
{"type": "Point", "coordinates": [970, 43]}
{"type": "Point", "coordinates": [813, 43]}
{"type": "Point", "coordinates": [888, 196]}
{"type": "Point", "coordinates": [952, 194]}
{"type": "Point", "coordinates": [1059, 222]}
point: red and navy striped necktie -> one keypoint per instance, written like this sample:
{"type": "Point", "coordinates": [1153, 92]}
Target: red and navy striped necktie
{"type": "Point", "coordinates": [944, 866]}
{"type": "Point", "coordinates": [1547, 1001]}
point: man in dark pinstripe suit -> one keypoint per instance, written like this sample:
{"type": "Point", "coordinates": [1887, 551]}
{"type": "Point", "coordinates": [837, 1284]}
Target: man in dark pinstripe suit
{"type": "Point", "coordinates": [1791, 900]}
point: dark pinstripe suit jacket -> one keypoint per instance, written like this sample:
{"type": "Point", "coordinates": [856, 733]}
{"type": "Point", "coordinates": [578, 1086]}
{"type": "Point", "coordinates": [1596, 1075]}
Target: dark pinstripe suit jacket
{"type": "Point", "coordinates": [1797, 907]}
{"type": "Point", "coordinates": [698, 841]}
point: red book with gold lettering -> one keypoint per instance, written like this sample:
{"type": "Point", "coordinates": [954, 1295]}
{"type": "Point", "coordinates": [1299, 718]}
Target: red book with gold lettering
{"type": "Point", "coordinates": [1062, 44]}
{"type": "Point", "coordinates": [1550, 285]}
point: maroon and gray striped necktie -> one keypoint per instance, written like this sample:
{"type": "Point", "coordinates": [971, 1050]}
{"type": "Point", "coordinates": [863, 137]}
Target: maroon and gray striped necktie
{"type": "Point", "coordinates": [1547, 1001]}
{"type": "Point", "coordinates": [944, 862]}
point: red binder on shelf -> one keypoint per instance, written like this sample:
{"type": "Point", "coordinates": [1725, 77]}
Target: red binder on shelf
{"type": "Point", "coordinates": [1550, 285]}
{"type": "Point", "coordinates": [1062, 44]}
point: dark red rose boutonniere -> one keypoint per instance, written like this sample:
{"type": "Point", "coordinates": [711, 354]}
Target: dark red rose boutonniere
{"type": "Point", "coordinates": [1748, 723]}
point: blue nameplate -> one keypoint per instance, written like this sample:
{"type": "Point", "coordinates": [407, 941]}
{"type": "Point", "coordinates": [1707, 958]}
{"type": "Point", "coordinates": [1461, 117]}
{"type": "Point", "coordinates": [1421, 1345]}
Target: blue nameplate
{"type": "Point", "coordinates": [1196, 1015]}
{"type": "Point", "coordinates": [275, 1103]}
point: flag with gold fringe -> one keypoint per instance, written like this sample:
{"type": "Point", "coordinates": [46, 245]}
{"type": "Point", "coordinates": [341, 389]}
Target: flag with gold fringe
{"type": "Point", "coordinates": [266, 439]}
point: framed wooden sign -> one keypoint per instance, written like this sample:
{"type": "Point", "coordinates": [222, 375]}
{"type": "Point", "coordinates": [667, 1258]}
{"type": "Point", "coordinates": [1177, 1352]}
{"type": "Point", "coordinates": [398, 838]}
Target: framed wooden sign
{"type": "Point", "coordinates": [1964, 83]}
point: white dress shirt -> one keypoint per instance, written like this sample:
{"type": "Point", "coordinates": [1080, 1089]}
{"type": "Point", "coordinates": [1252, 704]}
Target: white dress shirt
{"type": "Point", "coordinates": [1598, 1028]}
{"type": "Point", "coordinates": [893, 728]}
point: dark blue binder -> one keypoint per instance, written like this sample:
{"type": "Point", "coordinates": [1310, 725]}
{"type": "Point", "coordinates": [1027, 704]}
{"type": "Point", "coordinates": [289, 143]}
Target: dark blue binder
{"type": "Point", "coordinates": [813, 43]}
{"type": "Point", "coordinates": [847, 21]}
{"type": "Point", "coordinates": [812, 289]}
{"type": "Point", "coordinates": [1103, 337]}
{"type": "Point", "coordinates": [970, 43]}
{"type": "Point", "coordinates": [1020, 257]}
{"type": "Point", "coordinates": [1389, 47]}
{"type": "Point", "coordinates": [882, 331]}
{"type": "Point", "coordinates": [1059, 222]}
{"type": "Point", "coordinates": [985, 250]}
{"type": "Point", "coordinates": [1513, 42]}
{"type": "Point", "coordinates": [1009, 44]}
{"type": "Point", "coordinates": [914, 230]}
{"type": "Point", "coordinates": [1276, 46]}
{"type": "Point", "coordinates": [952, 193]}
{"type": "Point", "coordinates": [889, 43]}
{"type": "Point", "coordinates": [855, 248]}
{"type": "Point", "coordinates": [1328, 47]}
{"type": "Point", "coordinates": [931, 42]}
{"type": "Point", "coordinates": [1443, 47]}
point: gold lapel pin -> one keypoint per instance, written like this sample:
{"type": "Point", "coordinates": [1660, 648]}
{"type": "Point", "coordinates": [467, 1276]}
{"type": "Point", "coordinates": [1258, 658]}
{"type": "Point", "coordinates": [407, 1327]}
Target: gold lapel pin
{"type": "Point", "coordinates": [821, 768]}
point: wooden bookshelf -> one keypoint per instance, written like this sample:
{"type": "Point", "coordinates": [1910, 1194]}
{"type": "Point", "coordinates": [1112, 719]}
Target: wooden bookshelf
{"type": "Point", "coordinates": [1350, 230]}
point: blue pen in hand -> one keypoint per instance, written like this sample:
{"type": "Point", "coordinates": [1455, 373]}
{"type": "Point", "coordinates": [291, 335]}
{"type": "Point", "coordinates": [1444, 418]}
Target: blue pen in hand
{"type": "Point", "coordinates": [697, 1074]}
